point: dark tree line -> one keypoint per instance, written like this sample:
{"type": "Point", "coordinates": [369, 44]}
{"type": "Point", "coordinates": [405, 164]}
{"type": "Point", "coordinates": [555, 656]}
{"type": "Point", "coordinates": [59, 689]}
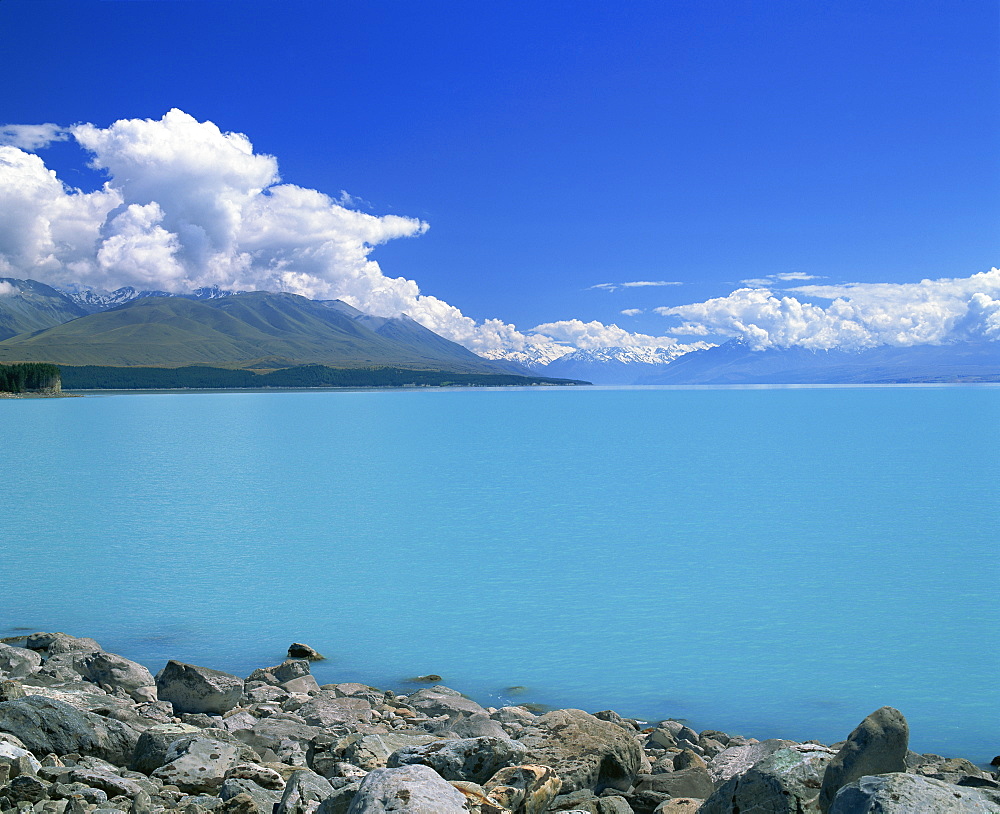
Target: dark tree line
{"type": "Point", "coordinates": [91, 377]}
{"type": "Point", "coordinates": [28, 376]}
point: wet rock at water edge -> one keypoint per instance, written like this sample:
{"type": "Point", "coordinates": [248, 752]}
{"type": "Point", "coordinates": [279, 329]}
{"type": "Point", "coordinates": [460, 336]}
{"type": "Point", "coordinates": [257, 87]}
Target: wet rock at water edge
{"type": "Point", "coordinates": [439, 700]}
{"type": "Point", "coordinates": [297, 650]}
{"type": "Point", "coordinates": [52, 644]}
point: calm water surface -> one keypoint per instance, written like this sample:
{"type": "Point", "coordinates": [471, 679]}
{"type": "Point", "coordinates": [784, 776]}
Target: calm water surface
{"type": "Point", "coordinates": [772, 561]}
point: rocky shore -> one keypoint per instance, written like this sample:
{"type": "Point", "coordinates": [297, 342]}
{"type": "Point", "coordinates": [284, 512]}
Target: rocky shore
{"type": "Point", "coordinates": [84, 731]}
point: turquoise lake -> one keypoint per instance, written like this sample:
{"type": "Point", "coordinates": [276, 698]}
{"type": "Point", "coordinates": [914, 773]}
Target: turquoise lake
{"type": "Point", "coordinates": [764, 561]}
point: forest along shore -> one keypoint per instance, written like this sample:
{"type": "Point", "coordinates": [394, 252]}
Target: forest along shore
{"type": "Point", "coordinates": [83, 730]}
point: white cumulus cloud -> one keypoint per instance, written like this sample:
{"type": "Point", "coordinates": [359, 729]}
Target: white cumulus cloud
{"type": "Point", "coordinates": [31, 136]}
{"type": "Point", "coordinates": [7, 289]}
{"type": "Point", "coordinates": [860, 315]}
{"type": "Point", "coordinates": [586, 335]}
{"type": "Point", "coordinates": [187, 205]}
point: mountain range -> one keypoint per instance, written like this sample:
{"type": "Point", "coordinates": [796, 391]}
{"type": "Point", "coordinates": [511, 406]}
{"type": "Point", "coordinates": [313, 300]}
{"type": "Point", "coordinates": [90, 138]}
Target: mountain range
{"type": "Point", "coordinates": [734, 362]}
{"type": "Point", "coordinates": [254, 330]}
{"type": "Point", "coordinates": [617, 365]}
{"type": "Point", "coordinates": [265, 331]}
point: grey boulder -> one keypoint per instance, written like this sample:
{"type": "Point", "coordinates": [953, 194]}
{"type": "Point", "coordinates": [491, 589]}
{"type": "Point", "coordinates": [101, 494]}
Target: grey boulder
{"type": "Point", "coordinates": [478, 725]}
{"type": "Point", "coordinates": [472, 759]}
{"type": "Point", "coordinates": [264, 799]}
{"type": "Point", "coordinates": [289, 740]}
{"type": "Point", "coordinates": [47, 726]}
{"type": "Point", "coordinates": [279, 674]}
{"type": "Point", "coordinates": [51, 644]}
{"type": "Point", "coordinates": [900, 793]}
{"type": "Point", "coordinates": [414, 789]}
{"type": "Point", "coordinates": [372, 751]}
{"type": "Point", "coordinates": [198, 764]}
{"type": "Point", "coordinates": [584, 751]}
{"type": "Point", "coordinates": [786, 782]}
{"type": "Point", "coordinates": [441, 700]}
{"type": "Point", "coordinates": [198, 689]}
{"type": "Point", "coordinates": [340, 801]}
{"type": "Point", "coordinates": [13, 750]}
{"type": "Point", "coordinates": [878, 745]}
{"type": "Point", "coordinates": [737, 759]}
{"type": "Point", "coordinates": [691, 782]}
{"type": "Point", "coordinates": [327, 709]}
{"type": "Point", "coordinates": [112, 672]}
{"type": "Point", "coordinates": [152, 746]}
{"type": "Point", "coordinates": [304, 791]}
{"type": "Point", "coordinates": [18, 662]}
{"type": "Point", "coordinates": [526, 789]}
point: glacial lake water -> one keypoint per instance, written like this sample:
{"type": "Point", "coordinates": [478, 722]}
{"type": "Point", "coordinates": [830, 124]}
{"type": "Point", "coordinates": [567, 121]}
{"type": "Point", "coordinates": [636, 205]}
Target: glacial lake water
{"type": "Point", "coordinates": [764, 561]}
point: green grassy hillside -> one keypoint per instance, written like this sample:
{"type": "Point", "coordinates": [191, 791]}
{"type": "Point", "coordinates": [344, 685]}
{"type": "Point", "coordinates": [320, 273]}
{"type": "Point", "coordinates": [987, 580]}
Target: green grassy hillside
{"type": "Point", "coordinates": [26, 305]}
{"type": "Point", "coordinates": [256, 329]}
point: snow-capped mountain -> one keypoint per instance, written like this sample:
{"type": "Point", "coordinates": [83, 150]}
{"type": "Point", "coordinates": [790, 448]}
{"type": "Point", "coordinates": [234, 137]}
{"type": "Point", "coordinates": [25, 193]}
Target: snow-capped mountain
{"type": "Point", "coordinates": [618, 365]}
{"type": "Point", "coordinates": [94, 300]}
{"type": "Point", "coordinates": [532, 357]}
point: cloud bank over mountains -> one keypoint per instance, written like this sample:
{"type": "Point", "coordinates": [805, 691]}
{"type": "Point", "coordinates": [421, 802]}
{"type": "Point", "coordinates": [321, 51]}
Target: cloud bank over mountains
{"type": "Point", "coordinates": [186, 205]}
{"type": "Point", "coordinates": [861, 315]}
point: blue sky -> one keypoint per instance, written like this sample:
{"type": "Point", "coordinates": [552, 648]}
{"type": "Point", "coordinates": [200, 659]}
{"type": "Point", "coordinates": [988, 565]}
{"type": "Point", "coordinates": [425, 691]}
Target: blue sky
{"type": "Point", "coordinates": [557, 146]}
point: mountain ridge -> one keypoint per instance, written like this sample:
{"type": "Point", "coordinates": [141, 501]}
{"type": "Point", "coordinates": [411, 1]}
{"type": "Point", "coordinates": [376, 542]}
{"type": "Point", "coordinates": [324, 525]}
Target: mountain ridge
{"type": "Point", "coordinates": [251, 329]}
{"type": "Point", "coordinates": [734, 362]}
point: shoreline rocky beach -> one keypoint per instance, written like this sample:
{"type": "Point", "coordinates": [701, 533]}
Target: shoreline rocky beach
{"type": "Point", "coordinates": [84, 731]}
